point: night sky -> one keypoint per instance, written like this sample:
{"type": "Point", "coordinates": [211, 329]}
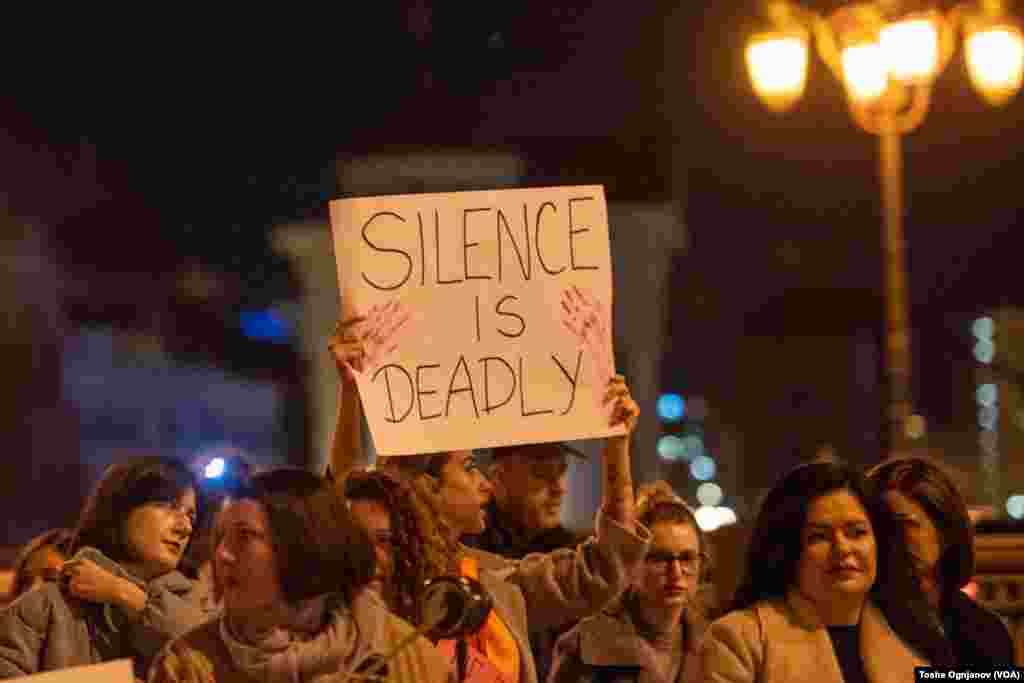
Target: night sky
{"type": "Point", "coordinates": [144, 151]}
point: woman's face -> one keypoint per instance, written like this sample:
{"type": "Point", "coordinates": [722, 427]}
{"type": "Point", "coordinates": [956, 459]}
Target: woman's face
{"type": "Point", "coordinates": [244, 561]}
{"type": "Point", "coordinates": [156, 535]}
{"type": "Point", "coordinates": [670, 573]}
{"type": "Point", "coordinates": [464, 491]}
{"type": "Point", "coordinates": [922, 539]}
{"type": "Point", "coordinates": [838, 562]}
{"type": "Point", "coordinates": [376, 521]}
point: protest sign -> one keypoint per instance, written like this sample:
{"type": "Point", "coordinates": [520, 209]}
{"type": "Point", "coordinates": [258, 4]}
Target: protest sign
{"type": "Point", "coordinates": [117, 671]}
{"type": "Point", "coordinates": [487, 357]}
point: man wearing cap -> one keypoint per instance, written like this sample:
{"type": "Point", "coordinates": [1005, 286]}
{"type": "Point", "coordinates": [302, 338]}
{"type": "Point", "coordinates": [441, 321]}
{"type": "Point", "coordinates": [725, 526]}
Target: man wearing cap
{"type": "Point", "coordinates": [525, 516]}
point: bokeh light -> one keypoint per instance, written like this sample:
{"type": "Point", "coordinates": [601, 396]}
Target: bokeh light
{"type": "Point", "coordinates": [671, 448]}
{"type": "Point", "coordinates": [984, 351]}
{"type": "Point", "coordinates": [983, 328]}
{"type": "Point", "coordinates": [709, 494]}
{"type": "Point", "coordinates": [702, 468]}
{"type": "Point", "coordinates": [988, 417]}
{"type": "Point", "coordinates": [214, 468]}
{"type": "Point", "coordinates": [1015, 506]}
{"type": "Point", "coordinates": [671, 408]}
{"type": "Point", "coordinates": [986, 394]}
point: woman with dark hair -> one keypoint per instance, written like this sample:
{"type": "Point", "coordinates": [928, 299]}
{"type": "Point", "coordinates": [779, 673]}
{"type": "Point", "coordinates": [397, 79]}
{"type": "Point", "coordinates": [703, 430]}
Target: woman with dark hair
{"type": "Point", "coordinates": [926, 504]}
{"type": "Point", "coordinates": [292, 567]}
{"type": "Point", "coordinates": [449, 493]}
{"type": "Point", "coordinates": [120, 594]}
{"type": "Point", "coordinates": [381, 504]}
{"type": "Point", "coordinates": [828, 594]}
{"type": "Point", "coordinates": [39, 561]}
{"type": "Point", "coordinates": [659, 619]}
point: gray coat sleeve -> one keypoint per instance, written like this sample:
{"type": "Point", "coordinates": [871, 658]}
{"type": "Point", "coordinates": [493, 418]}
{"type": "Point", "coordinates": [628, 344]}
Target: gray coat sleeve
{"type": "Point", "coordinates": [172, 609]}
{"type": "Point", "coordinates": [571, 583]}
{"type": "Point", "coordinates": [23, 628]}
{"type": "Point", "coordinates": [566, 664]}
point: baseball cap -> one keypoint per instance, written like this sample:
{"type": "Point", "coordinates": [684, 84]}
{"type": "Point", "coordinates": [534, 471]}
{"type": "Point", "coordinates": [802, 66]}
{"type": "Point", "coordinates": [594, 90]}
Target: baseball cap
{"type": "Point", "coordinates": [538, 450]}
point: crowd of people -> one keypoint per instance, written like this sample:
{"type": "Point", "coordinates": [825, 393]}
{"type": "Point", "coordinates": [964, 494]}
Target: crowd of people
{"type": "Point", "coordinates": [850, 576]}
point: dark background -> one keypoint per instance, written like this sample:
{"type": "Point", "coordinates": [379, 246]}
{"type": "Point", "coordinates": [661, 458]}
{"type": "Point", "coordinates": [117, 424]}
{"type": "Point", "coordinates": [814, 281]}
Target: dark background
{"type": "Point", "coordinates": [149, 160]}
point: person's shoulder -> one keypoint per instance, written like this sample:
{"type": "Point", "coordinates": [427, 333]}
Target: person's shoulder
{"type": "Point", "coordinates": [561, 537]}
{"type": "Point", "coordinates": [419, 659]}
{"type": "Point", "coordinates": [977, 621]}
{"type": "Point", "coordinates": [191, 657]}
{"type": "Point", "coordinates": [37, 607]}
{"type": "Point", "coordinates": [603, 627]}
{"type": "Point", "coordinates": [746, 623]}
{"type": "Point", "coordinates": [488, 561]}
{"type": "Point", "coordinates": [175, 582]}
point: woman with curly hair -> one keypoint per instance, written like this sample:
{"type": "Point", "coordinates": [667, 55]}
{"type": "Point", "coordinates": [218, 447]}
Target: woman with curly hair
{"type": "Point", "coordinates": [660, 618]}
{"type": "Point", "coordinates": [381, 504]}
{"type": "Point", "coordinates": [449, 494]}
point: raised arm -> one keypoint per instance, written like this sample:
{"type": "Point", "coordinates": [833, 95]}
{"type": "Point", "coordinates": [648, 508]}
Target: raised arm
{"type": "Point", "coordinates": [618, 498]}
{"type": "Point", "coordinates": [586, 319]}
{"type": "Point", "coordinates": [571, 583]}
{"type": "Point", "coordinates": [359, 343]}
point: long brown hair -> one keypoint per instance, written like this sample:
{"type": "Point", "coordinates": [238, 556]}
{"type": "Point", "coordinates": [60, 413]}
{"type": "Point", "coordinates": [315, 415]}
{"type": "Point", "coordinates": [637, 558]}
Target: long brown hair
{"type": "Point", "coordinates": [440, 550]}
{"type": "Point", "coordinates": [928, 484]}
{"type": "Point", "coordinates": [124, 487]}
{"type": "Point", "coordinates": [318, 547]}
{"type": "Point", "coordinates": [407, 540]}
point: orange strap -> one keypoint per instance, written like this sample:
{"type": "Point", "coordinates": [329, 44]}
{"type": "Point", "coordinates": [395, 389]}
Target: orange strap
{"type": "Point", "coordinates": [494, 639]}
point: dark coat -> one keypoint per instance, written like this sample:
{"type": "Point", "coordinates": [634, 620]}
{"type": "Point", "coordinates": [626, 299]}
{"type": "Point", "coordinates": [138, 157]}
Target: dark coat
{"type": "Point", "coordinates": [501, 538]}
{"type": "Point", "coordinates": [978, 636]}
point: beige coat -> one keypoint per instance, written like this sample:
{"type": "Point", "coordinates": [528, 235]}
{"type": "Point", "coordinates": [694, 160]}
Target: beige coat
{"type": "Point", "coordinates": [201, 656]}
{"type": "Point", "coordinates": [557, 588]}
{"type": "Point", "coordinates": [783, 641]}
{"type": "Point", "coordinates": [610, 641]}
{"type": "Point", "coordinates": [44, 629]}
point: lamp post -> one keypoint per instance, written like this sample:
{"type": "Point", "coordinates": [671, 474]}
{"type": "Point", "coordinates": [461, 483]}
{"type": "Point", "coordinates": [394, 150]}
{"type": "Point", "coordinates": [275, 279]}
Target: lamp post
{"type": "Point", "coordinates": [887, 55]}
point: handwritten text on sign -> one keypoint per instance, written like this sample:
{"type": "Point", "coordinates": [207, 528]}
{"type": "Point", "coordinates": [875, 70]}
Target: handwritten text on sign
{"type": "Point", "coordinates": [486, 361]}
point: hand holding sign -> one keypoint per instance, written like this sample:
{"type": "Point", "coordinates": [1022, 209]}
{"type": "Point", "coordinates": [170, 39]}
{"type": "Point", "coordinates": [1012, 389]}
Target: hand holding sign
{"type": "Point", "coordinates": [620, 405]}
{"type": "Point", "coordinates": [361, 343]}
{"type": "Point", "coordinates": [584, 316]}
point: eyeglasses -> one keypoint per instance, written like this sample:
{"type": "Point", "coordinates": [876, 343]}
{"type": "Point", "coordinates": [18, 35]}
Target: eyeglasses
{"type": "Point", "coordinates": [689, 562]}
{"type": "Point", "coordinates": [188, 513]}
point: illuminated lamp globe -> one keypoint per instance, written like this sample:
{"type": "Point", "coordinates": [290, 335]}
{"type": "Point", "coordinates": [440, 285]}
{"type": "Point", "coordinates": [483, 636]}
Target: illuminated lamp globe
{"type": "Point", "coordinates": [995, 61]}
{"type": "Point", "coordinates": [777, 63]}
{"type": "Point", "coordinates": [865, 72]}
{"type": "Point", "coordinates": [910, 47]}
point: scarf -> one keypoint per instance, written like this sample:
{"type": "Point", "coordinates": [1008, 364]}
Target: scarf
{"type": "Point", "coordinates": [286, 644]}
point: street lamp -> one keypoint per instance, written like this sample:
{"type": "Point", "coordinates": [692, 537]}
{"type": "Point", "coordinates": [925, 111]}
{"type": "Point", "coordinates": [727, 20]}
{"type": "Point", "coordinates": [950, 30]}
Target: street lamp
{"type": "Point", "coordinates": [887, 55]}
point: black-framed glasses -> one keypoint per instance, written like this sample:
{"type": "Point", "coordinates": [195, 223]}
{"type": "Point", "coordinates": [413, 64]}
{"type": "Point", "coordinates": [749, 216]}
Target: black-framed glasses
{"type": "Point", "coordinates": [689, 561]}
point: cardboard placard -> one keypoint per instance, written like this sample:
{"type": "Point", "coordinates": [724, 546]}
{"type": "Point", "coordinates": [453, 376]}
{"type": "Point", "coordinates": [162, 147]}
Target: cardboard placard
{"type": "Point", "coordinates": [117, 671]}
{"type": "Point", "coordinates": [486, 360]}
